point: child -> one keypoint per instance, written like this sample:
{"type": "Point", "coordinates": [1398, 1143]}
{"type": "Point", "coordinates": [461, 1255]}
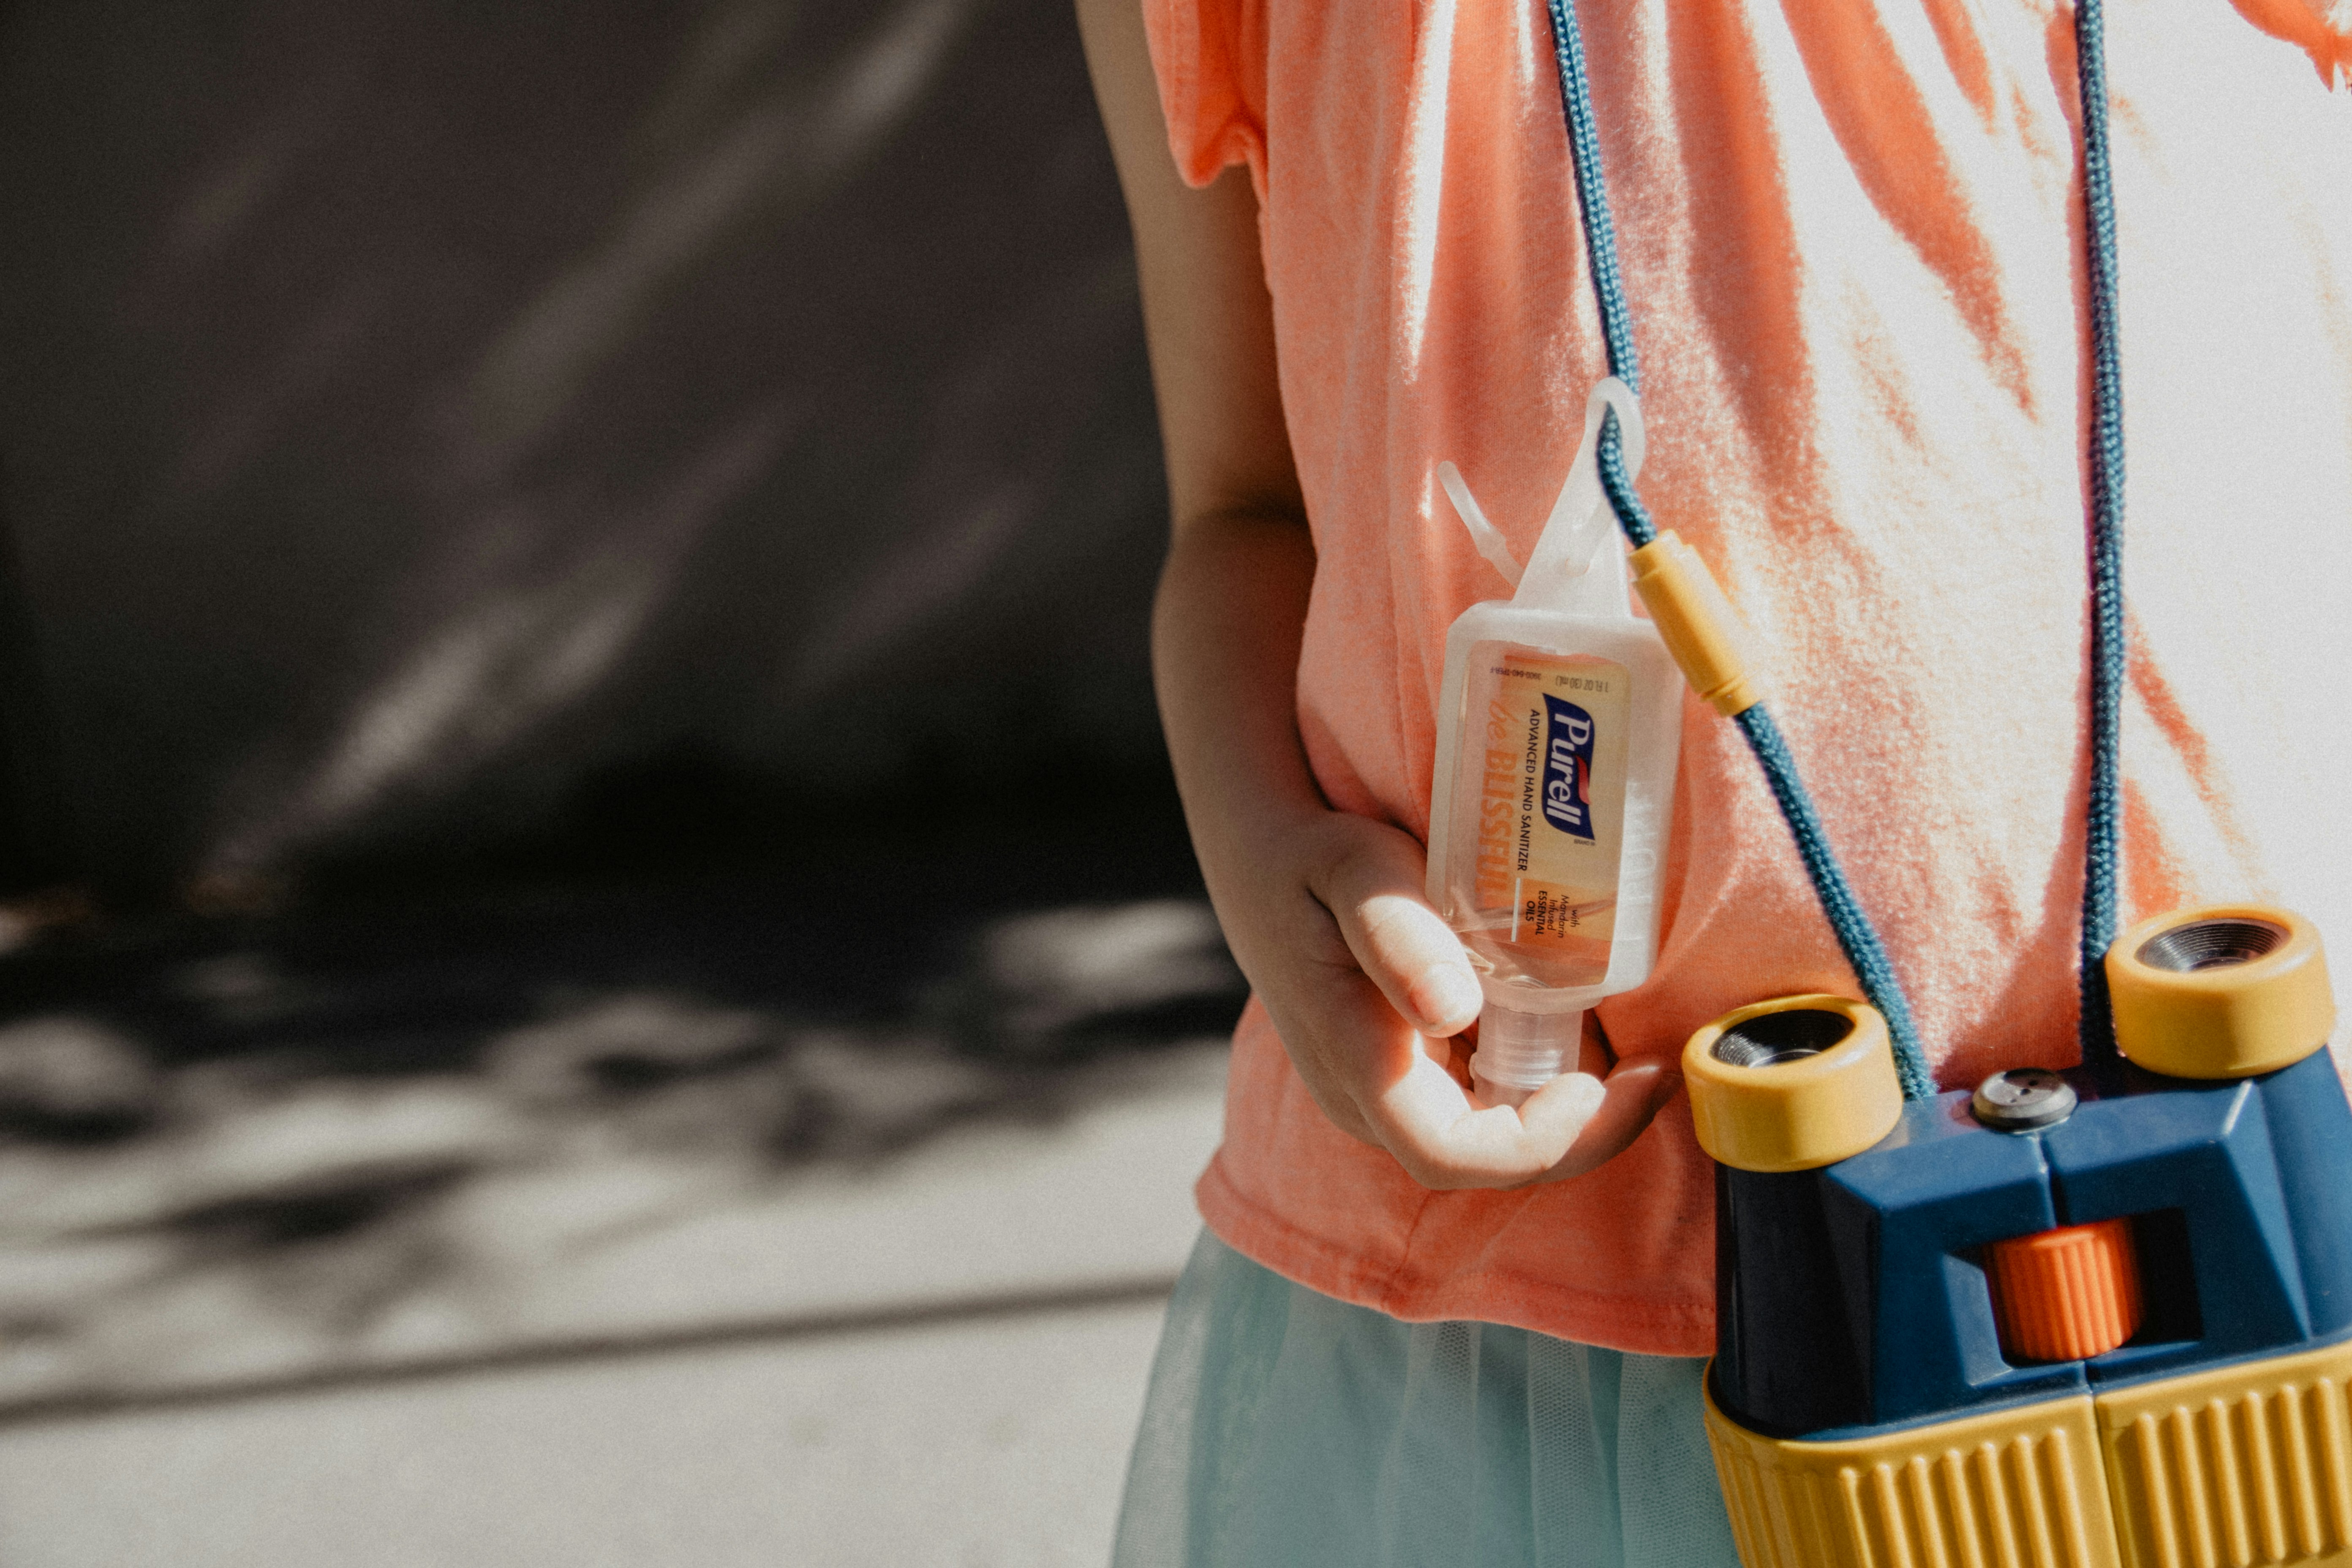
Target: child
{"type": "Point", "coordinates": [1423, 1330]}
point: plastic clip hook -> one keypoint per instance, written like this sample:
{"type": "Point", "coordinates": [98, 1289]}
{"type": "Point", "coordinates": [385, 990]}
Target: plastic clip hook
{"type": "Point", "coordinates": [1560, 572]}
{"type": "Point", "coordinates": [1581, 519]}
{"type": "Point", "coordinates": [1483, 533]}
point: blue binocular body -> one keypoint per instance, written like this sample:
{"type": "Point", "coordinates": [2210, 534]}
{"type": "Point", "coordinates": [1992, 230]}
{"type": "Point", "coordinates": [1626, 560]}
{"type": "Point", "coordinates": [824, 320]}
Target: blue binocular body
{"type": "Point", "coordinates": [2096, 1318]}
{"type": "Point", "coordinates": [1854, 1297]}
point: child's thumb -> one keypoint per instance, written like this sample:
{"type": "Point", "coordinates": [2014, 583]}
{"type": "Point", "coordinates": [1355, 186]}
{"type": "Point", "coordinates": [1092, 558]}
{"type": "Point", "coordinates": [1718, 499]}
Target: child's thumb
{"type": "Point", "coordinates": [1401, 945]}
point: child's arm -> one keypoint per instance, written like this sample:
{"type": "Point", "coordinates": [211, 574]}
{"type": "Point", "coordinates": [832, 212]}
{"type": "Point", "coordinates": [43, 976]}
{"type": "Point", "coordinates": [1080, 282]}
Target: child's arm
{"type": "Point", "coordinates": [1323, 910]}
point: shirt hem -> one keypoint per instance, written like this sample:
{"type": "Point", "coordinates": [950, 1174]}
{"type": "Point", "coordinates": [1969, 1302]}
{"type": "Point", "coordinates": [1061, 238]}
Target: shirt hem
{"type": "Point", "coordinates": [1639, 1325]}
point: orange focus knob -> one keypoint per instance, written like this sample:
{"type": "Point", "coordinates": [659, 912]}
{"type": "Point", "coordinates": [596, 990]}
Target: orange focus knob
{"type": "Point", "coordinates": [2064, 1294]}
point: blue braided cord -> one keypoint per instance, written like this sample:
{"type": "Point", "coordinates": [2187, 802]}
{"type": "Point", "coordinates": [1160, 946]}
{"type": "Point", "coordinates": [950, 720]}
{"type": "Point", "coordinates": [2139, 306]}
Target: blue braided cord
{"type": "Point", "coordinates": [1618, 485]}
{"type": "Point", "coordinates": [1862, 947]}
{"type": "Point", "coordinates": [2102, 811]}
{"type": "Point", "coordinates": [1854, 932]}
{"type": "Point", "coordinates": [1608, 280]}
{"type": "Point", "coordinates": [1592, 195]}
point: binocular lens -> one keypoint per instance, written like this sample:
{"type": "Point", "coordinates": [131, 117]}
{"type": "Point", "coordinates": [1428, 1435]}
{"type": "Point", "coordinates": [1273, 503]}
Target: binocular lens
{"type": "Point", "coordinates": [2210, 944]}
{"type": "Point", "coordinates": [1769, 1039]}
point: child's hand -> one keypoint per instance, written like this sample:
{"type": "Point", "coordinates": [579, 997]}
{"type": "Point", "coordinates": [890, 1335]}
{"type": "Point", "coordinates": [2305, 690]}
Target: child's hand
{"type": "Point", "coordinates": [1366, 984]}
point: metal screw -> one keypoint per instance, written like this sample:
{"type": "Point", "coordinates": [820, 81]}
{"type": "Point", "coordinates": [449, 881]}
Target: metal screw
{"type": "Point", "coordinates": [2022, 1099]}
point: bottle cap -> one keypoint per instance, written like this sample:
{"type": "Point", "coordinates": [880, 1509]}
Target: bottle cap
{"type": "Point", "coordinates": [1519, 1053]}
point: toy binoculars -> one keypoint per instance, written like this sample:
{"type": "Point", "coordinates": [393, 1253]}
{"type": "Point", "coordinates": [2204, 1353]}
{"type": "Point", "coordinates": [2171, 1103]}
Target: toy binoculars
{"type": "Point", "coordinates": [2092, 1319]}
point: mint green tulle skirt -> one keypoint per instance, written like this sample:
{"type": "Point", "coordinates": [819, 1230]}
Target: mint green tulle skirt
{"type": "Point", "coordinates": [1284, 1429]}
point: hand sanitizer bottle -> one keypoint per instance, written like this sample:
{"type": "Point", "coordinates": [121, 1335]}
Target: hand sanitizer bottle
{"type": "Point", "coordinates": [1559, 731]}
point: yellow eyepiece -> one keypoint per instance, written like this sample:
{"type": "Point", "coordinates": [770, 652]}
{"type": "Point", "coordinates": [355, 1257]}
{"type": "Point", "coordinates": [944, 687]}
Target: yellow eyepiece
{"type": "Point", "coordinates": [2224, 992]}
{"type": "Point", "coordinates": [1792, 1084]}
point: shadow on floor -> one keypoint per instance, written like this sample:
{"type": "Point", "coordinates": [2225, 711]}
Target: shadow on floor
{"type": "Point", "coordinates": [351, 1141]}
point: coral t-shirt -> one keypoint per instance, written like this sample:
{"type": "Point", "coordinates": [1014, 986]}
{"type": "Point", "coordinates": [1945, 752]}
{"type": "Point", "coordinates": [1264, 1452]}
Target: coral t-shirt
{"type": "Point", "coordinates": [1850, 232]}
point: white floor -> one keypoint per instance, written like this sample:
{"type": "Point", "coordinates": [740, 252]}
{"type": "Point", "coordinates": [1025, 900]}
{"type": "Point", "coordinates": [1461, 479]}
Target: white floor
{"type": "Point", "coordinates": [983, 1444]}
{"type": "Point", "coordinates": [986, 1436]}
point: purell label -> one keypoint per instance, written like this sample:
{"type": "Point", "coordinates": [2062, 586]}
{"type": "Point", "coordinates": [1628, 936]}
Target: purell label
{"type": "Point", "coordinates": [1550, 803]}
{"type": "Point", "coordinates": [1568, 768]}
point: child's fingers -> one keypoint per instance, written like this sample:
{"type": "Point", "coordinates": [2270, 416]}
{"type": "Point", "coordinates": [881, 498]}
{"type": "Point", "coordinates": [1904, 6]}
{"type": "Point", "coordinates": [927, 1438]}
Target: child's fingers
{"type": "Point", "coordinates": [1378, 1078]}
{"type": "Point", "coordinates": [1374, 893]}
{"type": "Point", "coordinates": [1339, 1030]}
{"type": "Point", "coordinates": [1366, 1020]}
{"type": "Point", "coordinates": [1636, 1090]}
{"type": "Point", "coordinates": [1444, 1139]}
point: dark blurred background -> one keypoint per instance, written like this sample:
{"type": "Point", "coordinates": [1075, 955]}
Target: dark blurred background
{"type": "Point", "coordinates": [445, 441]}
{"type": "Point", "coordinates": [574, 710]}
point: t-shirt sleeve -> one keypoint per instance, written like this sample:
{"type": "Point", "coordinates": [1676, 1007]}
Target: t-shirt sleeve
{"type": "Point", "coordinates": [1213, 101]}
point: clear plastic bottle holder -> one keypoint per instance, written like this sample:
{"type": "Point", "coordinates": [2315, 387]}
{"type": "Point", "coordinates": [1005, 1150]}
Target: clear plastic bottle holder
{"type": "Point", "coordinates": [1558, 733]}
